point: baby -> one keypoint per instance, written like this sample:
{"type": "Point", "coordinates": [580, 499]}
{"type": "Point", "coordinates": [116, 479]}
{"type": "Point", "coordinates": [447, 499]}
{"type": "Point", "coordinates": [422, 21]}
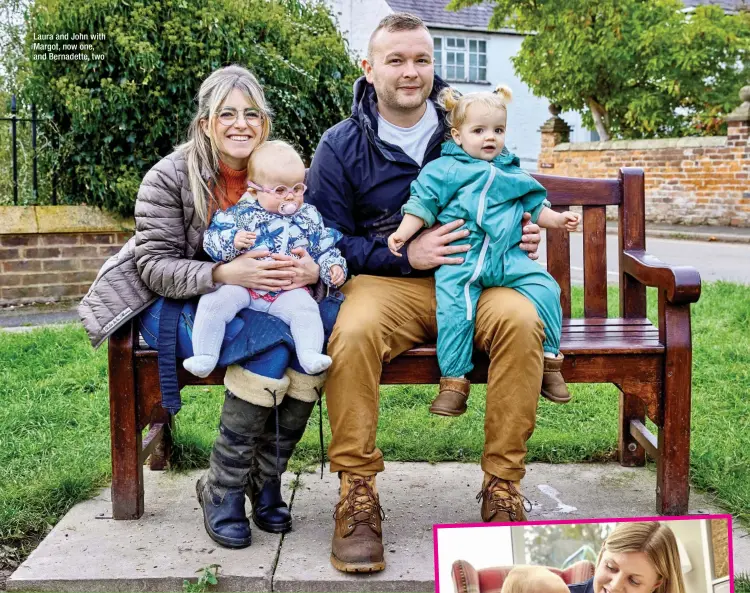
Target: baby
{"type": "Point", "coordinates": [533, 579]}
{"type": "Point", "coordinates": [271, 215]}
{"type": "Point", "coordinates": [476, 179]}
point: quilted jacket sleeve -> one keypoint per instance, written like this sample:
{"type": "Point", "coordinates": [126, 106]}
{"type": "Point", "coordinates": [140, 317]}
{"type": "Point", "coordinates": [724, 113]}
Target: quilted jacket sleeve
{"type": "Point", "coordinates": [218, 240]}
{"type": "Point", "coordinates": [160, 235]}
{"type": "Point", "coordinates": [323, 246]}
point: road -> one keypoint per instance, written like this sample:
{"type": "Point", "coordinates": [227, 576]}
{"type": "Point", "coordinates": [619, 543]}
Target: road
{"type": "Point", "coordinates": [714, 261]}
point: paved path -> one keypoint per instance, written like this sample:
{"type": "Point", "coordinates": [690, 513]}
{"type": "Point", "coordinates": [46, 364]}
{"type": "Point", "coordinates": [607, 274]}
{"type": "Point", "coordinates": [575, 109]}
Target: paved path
{"type": "Point", "coordinates": [88, 551]}
{"type": "Point", "coordinates": [714, 260]}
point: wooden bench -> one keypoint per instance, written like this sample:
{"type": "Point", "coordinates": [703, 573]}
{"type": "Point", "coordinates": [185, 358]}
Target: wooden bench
{"type": "Point", "coordinates": [650, 365]}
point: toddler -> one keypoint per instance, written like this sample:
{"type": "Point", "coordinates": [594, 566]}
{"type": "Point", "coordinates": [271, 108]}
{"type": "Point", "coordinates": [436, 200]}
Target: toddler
{"type": "Point", "coordinates": [476, 179]}
{"type": "Point", "coordinates": [271, 215]}
{"type": "Point", "coordinates": [533, 579]}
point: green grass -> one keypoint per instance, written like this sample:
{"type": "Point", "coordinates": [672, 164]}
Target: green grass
{"type": "Point", "coordinates": [54, 419]}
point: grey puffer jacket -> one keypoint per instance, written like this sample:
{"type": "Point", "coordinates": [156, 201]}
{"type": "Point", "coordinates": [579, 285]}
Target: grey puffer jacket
{"type": "Point", "coordinates": [158, 261]}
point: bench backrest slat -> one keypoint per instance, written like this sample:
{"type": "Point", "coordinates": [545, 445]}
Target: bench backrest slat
{"type": "Point", "coordinates": [594, 195]}
{"type": "Point", "coordinates": [558, 261]}
{"type": "Point", "coordinates": [594, 261]}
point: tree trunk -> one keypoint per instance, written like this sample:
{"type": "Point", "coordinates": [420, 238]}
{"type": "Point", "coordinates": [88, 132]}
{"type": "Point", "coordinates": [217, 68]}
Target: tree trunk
{"type": "Point", "coordinates": [599, 113]}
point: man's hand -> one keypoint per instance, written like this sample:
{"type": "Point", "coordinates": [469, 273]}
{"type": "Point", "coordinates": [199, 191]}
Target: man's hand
{"type": "Point", "coordinates": [431, 248]}
{"type": "Point", "coordinates": [244, 239]}
{"type": "Point", "coordinates": [531, 237]}
{"type": "Point", "coordinates": [337, 276]}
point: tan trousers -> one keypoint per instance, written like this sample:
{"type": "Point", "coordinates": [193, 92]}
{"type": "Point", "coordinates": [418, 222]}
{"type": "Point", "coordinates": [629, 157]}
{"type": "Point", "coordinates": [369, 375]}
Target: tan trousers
{"type": "Point", "coordinates": [383, 317]}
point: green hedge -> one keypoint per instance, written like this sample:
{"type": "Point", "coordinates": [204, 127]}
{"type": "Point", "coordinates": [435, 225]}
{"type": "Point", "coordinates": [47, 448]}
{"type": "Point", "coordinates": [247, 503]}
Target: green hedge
{"type": "Point", "coordinates": [113, 116]}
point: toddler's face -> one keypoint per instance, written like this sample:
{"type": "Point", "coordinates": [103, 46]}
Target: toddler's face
{"type": "Point", "coordinates": [482, 135]}
{"type": "Point", "coordinates": [283, 188]}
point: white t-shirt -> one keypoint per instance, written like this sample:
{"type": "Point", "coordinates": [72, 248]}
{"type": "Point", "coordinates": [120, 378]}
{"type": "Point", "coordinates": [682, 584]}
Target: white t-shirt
{"type": "Point", "coordinates": [413, 141]}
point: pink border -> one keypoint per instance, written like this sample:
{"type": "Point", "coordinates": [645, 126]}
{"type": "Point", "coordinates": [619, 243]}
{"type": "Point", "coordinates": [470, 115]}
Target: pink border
{"type": "Point", "coordinates": [728, 518]}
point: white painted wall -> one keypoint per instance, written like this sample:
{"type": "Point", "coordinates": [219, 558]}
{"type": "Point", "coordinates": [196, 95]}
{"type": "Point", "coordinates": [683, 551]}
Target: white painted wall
{"type": "Point", "coordinates": [358, 18]}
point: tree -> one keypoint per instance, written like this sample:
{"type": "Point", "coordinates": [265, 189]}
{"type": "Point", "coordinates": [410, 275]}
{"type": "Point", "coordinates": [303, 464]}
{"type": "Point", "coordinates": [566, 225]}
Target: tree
{"type": "Point", "coordinates": [633, 68]}
{"type": "Point", "coordinates": [129, 102]}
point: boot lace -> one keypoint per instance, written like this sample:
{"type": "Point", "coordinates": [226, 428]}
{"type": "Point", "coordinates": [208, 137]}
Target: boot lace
{"type": "Point", "coordinates": [504, 497]}
{"type": "Point", "coordinates": [360, 505]}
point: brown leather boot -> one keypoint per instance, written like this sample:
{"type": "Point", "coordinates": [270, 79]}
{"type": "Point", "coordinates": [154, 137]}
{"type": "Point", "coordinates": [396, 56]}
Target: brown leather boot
{"type": "Point", "coordinates": [357, 537]}
{"type": "Point", "coordinates": [502, 500]}
{"type": "Point", "coordinates": [451, 400]}
{"type": "Point", "coordinates": [553, 384]}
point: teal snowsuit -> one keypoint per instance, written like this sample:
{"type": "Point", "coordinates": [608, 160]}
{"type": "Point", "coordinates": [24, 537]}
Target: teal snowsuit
{"type": "Point", "coordinates": [491, 198]}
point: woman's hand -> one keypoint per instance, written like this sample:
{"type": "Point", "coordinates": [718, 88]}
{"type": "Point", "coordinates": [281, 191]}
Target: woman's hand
{"type": "Point", "coordinates": [249, 271]}
{"type": "Point", "coordinates": [306, 271]}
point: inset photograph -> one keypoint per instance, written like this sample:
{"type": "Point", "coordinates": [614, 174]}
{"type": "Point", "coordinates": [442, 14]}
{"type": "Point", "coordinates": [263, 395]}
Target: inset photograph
{"type": "Point", "coordinates": [643, 555]}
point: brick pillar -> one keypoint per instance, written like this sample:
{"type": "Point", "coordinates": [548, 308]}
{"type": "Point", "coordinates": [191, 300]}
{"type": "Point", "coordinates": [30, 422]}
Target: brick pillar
{"type": "Point", "coordinates": [738, 122]}
{"type": "Point", "coordinates": [738, 135]}
{"type": "Point", "coordinates": [554, 131]}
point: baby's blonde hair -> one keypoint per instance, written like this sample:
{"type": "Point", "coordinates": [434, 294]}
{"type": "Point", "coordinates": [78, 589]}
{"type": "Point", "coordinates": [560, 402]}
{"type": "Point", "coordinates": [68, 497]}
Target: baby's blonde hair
{"type": "Point", "coordinates": [279, 150]}
{"type": "Point", "coordinates": [456, 104]}
{"type": "Point", "coordinates": [532, 579]}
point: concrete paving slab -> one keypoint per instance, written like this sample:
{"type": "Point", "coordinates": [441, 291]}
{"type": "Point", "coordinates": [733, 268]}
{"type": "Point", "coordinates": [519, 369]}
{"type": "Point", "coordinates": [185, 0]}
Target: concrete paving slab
{"type": "Point", "coordinates": [89, 551]}
{"type": "Point", "coordinates": [417, 495]}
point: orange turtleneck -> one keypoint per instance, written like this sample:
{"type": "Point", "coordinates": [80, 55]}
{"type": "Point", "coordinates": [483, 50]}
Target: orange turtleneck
{"type": "Point", "coordinates": [232, 184]}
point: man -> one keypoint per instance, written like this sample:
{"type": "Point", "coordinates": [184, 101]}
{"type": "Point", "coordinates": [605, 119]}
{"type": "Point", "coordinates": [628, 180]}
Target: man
{"type": "Point", "coordinates": [359, 179]}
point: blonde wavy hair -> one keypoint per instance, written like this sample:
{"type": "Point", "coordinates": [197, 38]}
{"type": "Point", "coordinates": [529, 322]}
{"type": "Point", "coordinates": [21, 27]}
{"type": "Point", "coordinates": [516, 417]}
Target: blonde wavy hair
{"type": "Point", "coordinates": [455, 104]}
{"type": "Point", "coordinates": [201, 151]}
{"type": "Point", "coordinates": [658, 542]}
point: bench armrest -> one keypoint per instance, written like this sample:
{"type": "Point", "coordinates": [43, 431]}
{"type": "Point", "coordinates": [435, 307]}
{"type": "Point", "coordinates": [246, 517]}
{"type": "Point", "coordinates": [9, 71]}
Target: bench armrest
{"type": "Point", "coordinates": [682, 283]}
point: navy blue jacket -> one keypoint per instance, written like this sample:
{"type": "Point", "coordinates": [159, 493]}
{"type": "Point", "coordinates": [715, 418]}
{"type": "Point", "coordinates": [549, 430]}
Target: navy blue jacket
{"type": "Point", "coordinates": [587, 587]}
{"type": "Point", "coordinates": [359, 182]}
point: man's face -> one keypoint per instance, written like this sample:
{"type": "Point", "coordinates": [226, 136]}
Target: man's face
{"type": "Point", "coordinates": [401, 68]}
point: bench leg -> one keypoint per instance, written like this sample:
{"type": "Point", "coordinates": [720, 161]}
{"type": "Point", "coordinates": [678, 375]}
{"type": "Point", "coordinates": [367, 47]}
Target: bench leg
{"type": "Point", "coordinates": [127, 469]}
{"type": "Point", "coordinates": [673, 468]}
{"type": "Point", "coordinates": [630, 453]}
{"type": "Point", "coordinates": [160, 458]}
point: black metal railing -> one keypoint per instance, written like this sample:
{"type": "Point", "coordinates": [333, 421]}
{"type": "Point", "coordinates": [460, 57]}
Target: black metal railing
{"type": "Point", "coordinates": [14, 119]}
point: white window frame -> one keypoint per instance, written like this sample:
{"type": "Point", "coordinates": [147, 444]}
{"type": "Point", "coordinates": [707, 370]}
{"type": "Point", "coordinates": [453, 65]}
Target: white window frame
{"type": "Point", "coordinates": [456, 52]}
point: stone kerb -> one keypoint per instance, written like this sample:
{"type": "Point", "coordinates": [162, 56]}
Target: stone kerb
{"type": "Point", "coordinates": [691, 181]}
{"type": "Point", "coordinates": [52, 253]}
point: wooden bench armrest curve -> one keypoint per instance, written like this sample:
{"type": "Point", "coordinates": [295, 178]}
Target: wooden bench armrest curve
{"type": "Point", "coordinates": [682, 283]}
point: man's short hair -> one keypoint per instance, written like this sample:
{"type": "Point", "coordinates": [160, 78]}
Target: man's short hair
{"type": "Point", "coordinates": [398, 21]}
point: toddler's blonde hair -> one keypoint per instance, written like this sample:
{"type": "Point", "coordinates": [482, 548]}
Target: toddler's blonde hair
{"type": "Point", "coordinates": [532, 579]}
{"type": "Point", "coordinates": [456, 104]}
{"type": "Point", "coordinates": [281, 152]}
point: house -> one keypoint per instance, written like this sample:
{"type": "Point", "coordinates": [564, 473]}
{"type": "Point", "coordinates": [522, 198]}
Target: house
{"type": "Point", "coordinates": [468, 55]}
{"type": "Point", "coordinates": [472, 57]}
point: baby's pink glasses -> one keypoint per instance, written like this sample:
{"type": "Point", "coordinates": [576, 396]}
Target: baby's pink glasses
{"type": "Point", "coordinates": [281, 191]}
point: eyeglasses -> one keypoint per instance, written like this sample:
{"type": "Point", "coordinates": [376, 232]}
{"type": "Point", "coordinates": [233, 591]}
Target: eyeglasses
{"type": "Point", "coordinates": [281, 191]}
{"type": "Point", "coordinates": [228, 116]}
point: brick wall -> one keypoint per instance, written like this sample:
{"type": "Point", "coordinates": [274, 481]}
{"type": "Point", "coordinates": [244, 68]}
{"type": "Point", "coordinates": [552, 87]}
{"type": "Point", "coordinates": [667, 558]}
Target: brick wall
{"type": "Point", "coordinates": [53, 266]}
{"type": "Point", "coordinates": [690, 181]}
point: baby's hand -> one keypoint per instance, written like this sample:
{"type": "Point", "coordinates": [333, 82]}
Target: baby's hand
{"type": "Point", "coordinates": [395, 243]}
{"type": "Point", "coordinates": [571, 220]}
{"type": "Point", "coordinates": [244, 239]}
{"type": "Point", "coordinates": [337, 276]}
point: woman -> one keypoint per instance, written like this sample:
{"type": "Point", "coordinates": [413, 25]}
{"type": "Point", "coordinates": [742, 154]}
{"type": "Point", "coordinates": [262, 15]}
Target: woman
{"type": "Point", "coordinates": [165, 258]}
{"type": "Point", "coordinates": [636, 558]}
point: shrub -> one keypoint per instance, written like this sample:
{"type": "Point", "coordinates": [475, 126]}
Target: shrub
{"type": "Point", "coordinates": [120, 111]}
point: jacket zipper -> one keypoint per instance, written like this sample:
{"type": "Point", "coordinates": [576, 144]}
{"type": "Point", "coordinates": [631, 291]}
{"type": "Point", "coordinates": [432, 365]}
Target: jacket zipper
{"type": "Point", "coordinates": [485, 243]}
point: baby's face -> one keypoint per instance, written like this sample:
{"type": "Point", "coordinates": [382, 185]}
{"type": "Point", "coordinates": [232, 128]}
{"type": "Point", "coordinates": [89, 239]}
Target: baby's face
{"type": "Point", "coordinates": [482, 135]}
{"type": "Point", "coordinates": [284, 187]}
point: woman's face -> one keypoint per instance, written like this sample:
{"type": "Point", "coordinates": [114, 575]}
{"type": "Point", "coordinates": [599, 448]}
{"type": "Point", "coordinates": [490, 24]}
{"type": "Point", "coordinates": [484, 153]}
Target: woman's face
{"type": "Point", "coordinates": [625, 572]}
{"type": "Point", "coordinates": [237, 140]}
